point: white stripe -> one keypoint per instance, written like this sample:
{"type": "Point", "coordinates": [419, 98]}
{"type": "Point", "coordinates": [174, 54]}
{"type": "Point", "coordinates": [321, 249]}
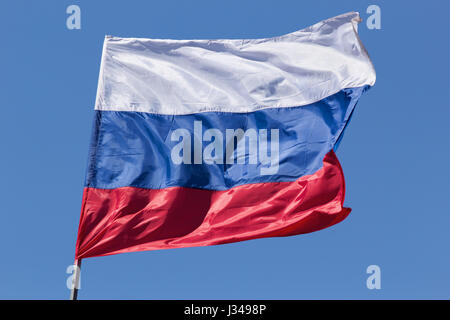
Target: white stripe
{"type": "Point", "coordinates": [190, 76]}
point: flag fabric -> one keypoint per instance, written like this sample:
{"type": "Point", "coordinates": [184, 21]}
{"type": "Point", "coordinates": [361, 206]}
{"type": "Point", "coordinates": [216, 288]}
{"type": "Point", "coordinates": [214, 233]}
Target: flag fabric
{"type": "Point", "coordinates": [205, 142]}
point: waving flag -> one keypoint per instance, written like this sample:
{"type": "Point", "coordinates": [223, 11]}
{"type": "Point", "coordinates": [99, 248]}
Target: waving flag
{"type": "Point", "coordinates": [204, 142]}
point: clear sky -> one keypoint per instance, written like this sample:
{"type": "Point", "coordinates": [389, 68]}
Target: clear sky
{"type": "Point", "coordinates": [395, 156]}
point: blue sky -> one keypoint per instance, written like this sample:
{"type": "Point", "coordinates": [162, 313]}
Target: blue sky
{"type": "Point", "coordinates": [395, 156]}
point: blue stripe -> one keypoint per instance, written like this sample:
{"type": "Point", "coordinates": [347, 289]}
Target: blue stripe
{"type": "Point", "coordinates": [134, 148]}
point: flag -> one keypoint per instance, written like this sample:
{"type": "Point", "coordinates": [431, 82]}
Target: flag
{"type": "Point", "coordinates": [205, 142]}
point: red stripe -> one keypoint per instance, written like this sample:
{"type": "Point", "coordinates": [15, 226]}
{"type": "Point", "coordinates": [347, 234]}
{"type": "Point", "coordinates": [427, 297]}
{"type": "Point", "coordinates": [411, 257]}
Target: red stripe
{"type": "Point", "coordinates": [134, 219]}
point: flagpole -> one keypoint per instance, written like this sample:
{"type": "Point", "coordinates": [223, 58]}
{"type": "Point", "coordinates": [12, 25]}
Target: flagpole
{"type": "Point", "coordinates": [75, 280]}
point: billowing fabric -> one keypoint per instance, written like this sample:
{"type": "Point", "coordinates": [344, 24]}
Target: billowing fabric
{"type": "Point", "coordinates": [135, 219]}
{"type": "Point", "coordinates": [203, 142]}
{"type": "Point", "coordinates": [190, 76]}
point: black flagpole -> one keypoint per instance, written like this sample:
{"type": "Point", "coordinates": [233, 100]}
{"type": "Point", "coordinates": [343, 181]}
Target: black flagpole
{"type": "Point", "coordinates": [75, 280]}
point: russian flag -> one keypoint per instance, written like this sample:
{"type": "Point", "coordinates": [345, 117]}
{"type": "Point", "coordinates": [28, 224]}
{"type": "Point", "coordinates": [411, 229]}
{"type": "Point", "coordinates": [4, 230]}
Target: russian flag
{"type": "Point", "coordinates": [205, 142]}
